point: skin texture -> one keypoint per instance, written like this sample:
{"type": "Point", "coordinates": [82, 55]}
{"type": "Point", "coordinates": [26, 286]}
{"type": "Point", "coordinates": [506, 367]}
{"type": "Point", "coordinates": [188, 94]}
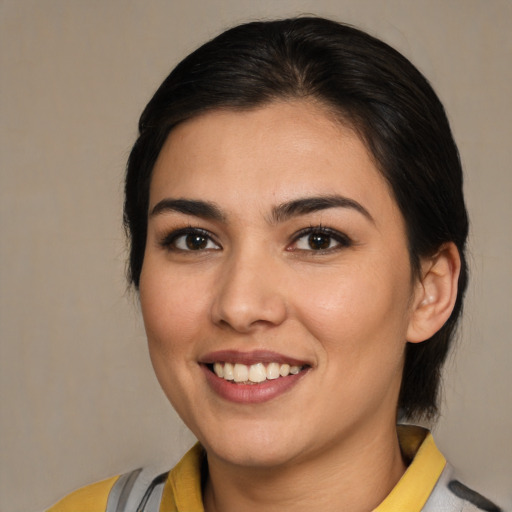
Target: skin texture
{"type": "Point", "coordinates": [257, 284]}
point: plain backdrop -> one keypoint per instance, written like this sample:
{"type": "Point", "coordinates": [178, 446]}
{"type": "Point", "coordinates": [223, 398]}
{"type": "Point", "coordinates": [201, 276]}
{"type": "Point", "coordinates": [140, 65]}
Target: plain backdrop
{"type": "Point", "coordinates": [79, 401]}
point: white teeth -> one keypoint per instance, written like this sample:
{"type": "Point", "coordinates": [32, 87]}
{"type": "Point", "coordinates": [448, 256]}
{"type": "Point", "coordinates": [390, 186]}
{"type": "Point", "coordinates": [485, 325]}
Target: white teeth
{"type": "Point", "coordinates": [218, 369]}
{"type": "Point", "coordinates": [241, 372]}
{"type": "Point", "coordinates": [228, 371]}
{"type": "Point", "coordinates": [273, 371]}
{"type": "Point", "coordinates": [255, 373]}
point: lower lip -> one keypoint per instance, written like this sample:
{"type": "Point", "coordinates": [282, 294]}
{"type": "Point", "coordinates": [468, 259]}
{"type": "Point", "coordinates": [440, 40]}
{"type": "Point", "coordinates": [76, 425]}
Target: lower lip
{"type": "Point", "coordinates": [251, 393]}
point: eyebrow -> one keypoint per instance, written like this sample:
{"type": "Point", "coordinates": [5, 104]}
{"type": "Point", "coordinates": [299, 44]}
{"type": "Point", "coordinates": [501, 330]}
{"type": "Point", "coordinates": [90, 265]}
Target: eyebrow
{"type": "Point", "coordinates": [196, 208]}
{"type": "Point", "coordinates": [313, 204]}
{"type": "Point", "coordinates": [303, 206]}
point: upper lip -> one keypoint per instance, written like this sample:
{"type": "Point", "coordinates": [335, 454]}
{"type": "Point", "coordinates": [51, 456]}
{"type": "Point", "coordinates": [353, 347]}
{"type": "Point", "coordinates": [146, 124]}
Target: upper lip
{"type": "Point", "coordinates": [249, 358]}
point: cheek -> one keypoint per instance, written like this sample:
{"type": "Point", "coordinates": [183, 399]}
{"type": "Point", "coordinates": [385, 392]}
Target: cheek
{"type": "Point", "coordinates": [357, 309]}
{"type": "Point", "coordinates": [358, 322]}
{"type": "Point", "coordinates": [172, 313]}
{"type": "Point", "coordinates": [172, 308]}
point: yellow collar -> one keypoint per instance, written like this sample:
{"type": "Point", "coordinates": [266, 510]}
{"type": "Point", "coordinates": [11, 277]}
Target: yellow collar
{"type": "Point", "coordinates": [414, 488]}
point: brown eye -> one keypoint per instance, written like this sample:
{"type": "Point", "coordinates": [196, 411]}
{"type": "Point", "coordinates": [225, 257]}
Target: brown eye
{"type": "Point", "coordinates": [189, 240]}
{"type": "Point", "coordinates": [196, 242]}
{"type": "Point", "coordinates": [319, 241]}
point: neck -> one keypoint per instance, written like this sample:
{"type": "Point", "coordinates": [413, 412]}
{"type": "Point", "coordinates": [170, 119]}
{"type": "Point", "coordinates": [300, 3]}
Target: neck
{"type": "Point", "coordinates": [356, 475]}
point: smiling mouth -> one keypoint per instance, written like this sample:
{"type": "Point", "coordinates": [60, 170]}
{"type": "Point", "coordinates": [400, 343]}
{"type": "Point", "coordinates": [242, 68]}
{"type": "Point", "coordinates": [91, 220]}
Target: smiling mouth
{"type": "Point", "coordinates": [255, 373]}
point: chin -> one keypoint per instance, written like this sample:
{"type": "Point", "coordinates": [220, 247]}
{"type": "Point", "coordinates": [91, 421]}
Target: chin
{"type": "Point", "coordinates": [253, 445]}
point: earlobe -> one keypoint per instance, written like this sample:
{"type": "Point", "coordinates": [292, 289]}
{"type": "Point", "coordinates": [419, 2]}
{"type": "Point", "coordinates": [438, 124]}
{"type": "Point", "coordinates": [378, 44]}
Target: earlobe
{"type": "Point", "coordinates": [436, 293]}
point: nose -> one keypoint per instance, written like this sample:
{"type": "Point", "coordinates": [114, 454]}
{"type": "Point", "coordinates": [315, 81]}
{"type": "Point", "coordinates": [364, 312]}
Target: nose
{"type": "Point", "coordinates": [249, 294]}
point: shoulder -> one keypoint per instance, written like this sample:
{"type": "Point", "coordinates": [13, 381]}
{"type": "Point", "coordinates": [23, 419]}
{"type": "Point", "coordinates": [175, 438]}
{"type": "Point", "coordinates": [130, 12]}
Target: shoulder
{"type": "Point", "coordinates": [430, 483]}
{"type": "Point", "coordinates": [92, 498]}
{"type": "Point", "coordinates": [450, 495]}
{"type": "Point", "coordinates": [145, 489]}
{"type": "Point", "coordinates": [139, 489]}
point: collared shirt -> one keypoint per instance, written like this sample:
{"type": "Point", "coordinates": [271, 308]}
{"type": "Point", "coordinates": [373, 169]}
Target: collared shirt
{"type": "Point", "coordinates": [427, 485]}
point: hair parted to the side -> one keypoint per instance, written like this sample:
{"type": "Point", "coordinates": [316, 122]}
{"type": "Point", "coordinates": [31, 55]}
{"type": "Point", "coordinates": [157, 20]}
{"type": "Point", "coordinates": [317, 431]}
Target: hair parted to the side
{"type": "Point", "coordinates": [367, 85]}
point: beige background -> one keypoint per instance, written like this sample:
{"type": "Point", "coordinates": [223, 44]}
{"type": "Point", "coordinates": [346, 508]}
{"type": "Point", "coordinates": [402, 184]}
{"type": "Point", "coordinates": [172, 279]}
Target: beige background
{"type": "Point", "coordinates": [79, 400]}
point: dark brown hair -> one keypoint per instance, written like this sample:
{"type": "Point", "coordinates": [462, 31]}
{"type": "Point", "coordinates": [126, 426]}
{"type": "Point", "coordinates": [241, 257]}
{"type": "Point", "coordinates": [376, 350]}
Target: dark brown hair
{"type": "Point", "coordinates": [369, 86]}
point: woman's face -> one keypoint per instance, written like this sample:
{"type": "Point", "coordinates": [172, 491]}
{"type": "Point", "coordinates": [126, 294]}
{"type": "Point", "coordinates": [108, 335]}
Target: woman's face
{"type": "Point", "coordinates": [275, 247]}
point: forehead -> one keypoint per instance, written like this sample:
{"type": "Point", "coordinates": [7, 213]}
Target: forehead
{"type": "Point", "coordinates": [274, 153]}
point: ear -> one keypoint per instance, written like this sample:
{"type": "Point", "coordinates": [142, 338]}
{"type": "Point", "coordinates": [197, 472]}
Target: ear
{"type": "Point", "coordinates": [435, 294]}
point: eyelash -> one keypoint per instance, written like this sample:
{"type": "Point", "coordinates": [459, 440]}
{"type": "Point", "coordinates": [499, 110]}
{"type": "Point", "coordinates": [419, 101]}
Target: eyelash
{"type": "Point", "coordinates": [342, 241]}
{"type": "Point", "coordinates": [169, 240]}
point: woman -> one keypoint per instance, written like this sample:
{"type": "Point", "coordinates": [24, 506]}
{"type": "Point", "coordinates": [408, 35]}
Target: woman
{"type": "Point", "coordinates": [297, 225]}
